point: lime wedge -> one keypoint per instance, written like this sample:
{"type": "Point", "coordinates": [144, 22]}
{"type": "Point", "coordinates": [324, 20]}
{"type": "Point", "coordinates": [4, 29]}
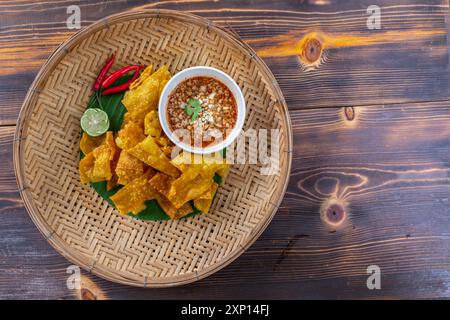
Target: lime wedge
{"type": "Point", "coordinates": [94, 122]}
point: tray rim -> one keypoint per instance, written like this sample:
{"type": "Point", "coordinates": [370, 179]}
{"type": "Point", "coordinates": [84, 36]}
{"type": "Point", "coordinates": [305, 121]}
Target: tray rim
{"type": "Point", "coordinates": [61, 246]}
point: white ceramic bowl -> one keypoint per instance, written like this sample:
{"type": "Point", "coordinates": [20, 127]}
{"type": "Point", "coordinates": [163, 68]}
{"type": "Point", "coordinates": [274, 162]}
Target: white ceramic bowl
{"type": "Point", "coordinates": [207, 72]}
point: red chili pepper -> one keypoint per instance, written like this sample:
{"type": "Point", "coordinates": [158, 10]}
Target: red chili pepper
{"type": "Point", "coordinates": [102, 75]}
{"type": "Point", "coordinates": [119, 73]}
{"type": "Point", "coordinates": [122, 87]}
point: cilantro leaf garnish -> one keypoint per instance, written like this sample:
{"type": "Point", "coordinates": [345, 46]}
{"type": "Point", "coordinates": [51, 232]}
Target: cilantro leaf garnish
{"type": "Point", "coordinates": [193, 108]}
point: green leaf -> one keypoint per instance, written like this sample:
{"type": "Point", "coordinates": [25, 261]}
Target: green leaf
{"type": "Point", "coordinates": [193, 108]}
{"type": "Point", "coordinates": [217, 179]}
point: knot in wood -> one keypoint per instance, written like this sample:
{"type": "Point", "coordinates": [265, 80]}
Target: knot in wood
{"type": "Point", "coordinates": [349, 113]}
{"type": "Point", "coordinates": [87, 294]}
{"type": "Point", "coordinates": [312, 50]}
{"type": "Point", "coordinates": [335, 213]}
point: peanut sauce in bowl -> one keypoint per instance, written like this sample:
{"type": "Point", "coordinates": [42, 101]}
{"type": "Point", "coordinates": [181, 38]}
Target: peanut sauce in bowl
{"type": "Point", "coordinates": [202, 110]}
{"type": "Point", "coordinates": [217, 108]}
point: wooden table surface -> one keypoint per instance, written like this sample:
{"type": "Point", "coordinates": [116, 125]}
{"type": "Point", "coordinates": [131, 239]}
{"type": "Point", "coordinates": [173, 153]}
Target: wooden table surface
{"type": "Point", "coordinates": [371, 123]}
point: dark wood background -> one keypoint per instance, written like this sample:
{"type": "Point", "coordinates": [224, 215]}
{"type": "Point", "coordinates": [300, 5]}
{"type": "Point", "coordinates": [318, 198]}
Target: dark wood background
{"type": "Point", "coordinates": [371, 127]}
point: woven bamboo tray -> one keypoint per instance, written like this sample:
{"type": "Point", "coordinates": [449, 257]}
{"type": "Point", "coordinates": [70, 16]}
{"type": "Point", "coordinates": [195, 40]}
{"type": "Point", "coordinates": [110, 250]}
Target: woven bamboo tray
{"type": "Point", "coordinates": [76, 221]}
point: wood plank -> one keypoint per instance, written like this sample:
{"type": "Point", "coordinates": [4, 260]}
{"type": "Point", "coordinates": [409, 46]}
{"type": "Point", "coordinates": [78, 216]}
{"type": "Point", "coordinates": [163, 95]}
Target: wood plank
{"type": "Point", "coordinates": [389, 166]}
{"type": "Point", "coordinates": [405, 61]}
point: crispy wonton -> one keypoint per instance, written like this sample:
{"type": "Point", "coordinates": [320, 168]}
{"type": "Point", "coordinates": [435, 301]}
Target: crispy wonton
{"type": "Point", "coordinates": [192, 166]}
{"type": "Point", "coordinates": [144, 75]}
{"type": "Point", "coordinates": [88, 143]}
{"type": "Point", "coordinates": [127, 119]}
{"type": "Point", "coordinates": [150, 153]}
{"type": "Point", "coordinates": [203, 202]}
{"type": "Point", "coordinates": [129, 136]}
{"type": "Point", "coordinates": [96, 165]}
{"type": "Point", "coordinates": [152, 127]}
{"type": "Point", "coordinates": [131, 198]}
{"type": "Point", "coordinates": [86, 168]}
{"type": "Point", "coordinates": [188, 192]}
{"type": "Point", "coordinates": [202, 190]}
{"type": "Point", "coordinates": [128, 168]}
{"type": "Point", "coordinates": [162, 84]}
{"type": "Point", "coordinates": [113, 182]}
{"type": "Point", "coordinates": [171, 211]}
{"type": "Point", "coordinates": [162, 183]}
{"type": "Point", "coordinates": [143, 95]}
{"type": "Point", "coordinates": [181, 195]}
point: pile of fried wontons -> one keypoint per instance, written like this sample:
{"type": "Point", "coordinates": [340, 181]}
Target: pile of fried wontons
{"type": "Point", "coordinates": [139, 158]}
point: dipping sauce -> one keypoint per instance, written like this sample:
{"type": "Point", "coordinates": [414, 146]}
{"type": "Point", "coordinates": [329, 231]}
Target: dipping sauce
{"type": "Point", "coordinates": [202, 105]}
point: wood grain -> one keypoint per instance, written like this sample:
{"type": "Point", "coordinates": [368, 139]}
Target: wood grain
{"type": "Point", "coordinates": [389, 165]}
{"type": "Point", "coordinates": [406, 61]}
